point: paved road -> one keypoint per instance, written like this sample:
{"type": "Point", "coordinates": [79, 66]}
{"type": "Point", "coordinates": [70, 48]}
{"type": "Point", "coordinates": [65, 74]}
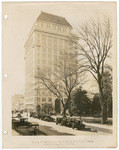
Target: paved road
{"type": "Point", "coordinates": [50, 128]}
{"type": "Point", "coordinates": [47, 127]}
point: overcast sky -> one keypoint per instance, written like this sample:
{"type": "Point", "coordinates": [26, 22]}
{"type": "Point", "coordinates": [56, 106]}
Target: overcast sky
{"type": "Point", "coordinates": [21, 17]}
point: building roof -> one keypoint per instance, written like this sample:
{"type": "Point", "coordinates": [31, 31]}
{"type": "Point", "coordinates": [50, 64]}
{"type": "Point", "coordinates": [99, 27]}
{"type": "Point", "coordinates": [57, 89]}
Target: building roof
{"type": "Point", "coordinates": [53, 18]}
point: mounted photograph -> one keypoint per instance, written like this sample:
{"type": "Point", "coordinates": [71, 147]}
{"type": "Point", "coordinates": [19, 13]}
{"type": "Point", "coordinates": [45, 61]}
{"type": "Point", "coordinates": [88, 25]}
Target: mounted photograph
{"type": "Point", "coordinates": [59, 74]}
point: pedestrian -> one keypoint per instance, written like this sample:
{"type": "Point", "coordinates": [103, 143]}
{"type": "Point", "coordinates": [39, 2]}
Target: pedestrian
{"type": "Point", "coordinates": [35, 130]}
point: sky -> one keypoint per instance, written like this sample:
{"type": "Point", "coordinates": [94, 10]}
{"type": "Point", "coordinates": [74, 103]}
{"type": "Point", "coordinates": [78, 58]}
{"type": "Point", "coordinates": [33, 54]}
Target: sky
{"type": "Point", "coordinates": [21, 17]}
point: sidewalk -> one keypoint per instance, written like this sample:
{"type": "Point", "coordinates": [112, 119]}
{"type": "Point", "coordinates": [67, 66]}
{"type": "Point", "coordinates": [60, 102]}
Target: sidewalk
{"type": "Point", "coordinates": [99, 127]}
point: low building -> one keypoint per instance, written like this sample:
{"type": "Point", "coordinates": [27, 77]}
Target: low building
{"type": "Point", "coordinates": [18, 102]}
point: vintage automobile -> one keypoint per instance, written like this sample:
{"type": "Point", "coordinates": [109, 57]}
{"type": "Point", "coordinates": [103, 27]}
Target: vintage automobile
{"type": "Point", "coordinates": [23, 127]}
{"type": "Point", "coordinates": [64, 121]}
{"type": "Point", "coordinates": [33, 114]}
{"type": "Point", "coordinates": [49, 119]}
{"type": "Point", "coordinates": [58, 120]}
{"type": "Point", "coordinates": [78, 124]}
{"type": "Point", "coordinates": [42, 116]}
{"type": "Point", "coordinates": [70, 122]}
{"type": "Point", "coordinates": [28, 130]}
{"type": "Point", "coordinates": [16, 122]}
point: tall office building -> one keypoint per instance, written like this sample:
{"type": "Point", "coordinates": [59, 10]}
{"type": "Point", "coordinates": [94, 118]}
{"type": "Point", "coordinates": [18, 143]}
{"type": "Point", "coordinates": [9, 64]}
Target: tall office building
{"type": "Point", "coordinates": [46, 41]}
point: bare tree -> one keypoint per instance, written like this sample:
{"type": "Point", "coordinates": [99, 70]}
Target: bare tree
{"type": "Point", "coordinates": [64, 77]}
{"type": "Point", "coordinates": [95, 42]}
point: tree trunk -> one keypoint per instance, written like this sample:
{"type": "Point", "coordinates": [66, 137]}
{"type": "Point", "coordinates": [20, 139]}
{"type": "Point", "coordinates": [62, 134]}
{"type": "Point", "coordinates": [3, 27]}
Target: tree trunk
{"type": "Point", "coordinates": [64, 112]}
{"type": "Point", "coordinates": [104, 113]}
{"type": "Point", "coordinates": [103, 103]}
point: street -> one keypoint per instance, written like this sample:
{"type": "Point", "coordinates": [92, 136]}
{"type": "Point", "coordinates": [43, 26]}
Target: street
{"type": "Point", "coordinates": [50, 128]}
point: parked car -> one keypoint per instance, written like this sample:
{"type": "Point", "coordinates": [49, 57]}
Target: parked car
{"type": "Point", "coordinates": [28, 130]}
{"type": "Point", "coordinates": [23, 127]}
{"type": "Point", "coordinates": [78, 124]}
{"type": "Point", "coordinates": [58, 120]}
{"type": "Point", "coordinates": [33, 114]}
{"type": "Point", "coordinates": [19, 115]}
{"type": "Point", "coordinates": [42, 116]}
{"type": "Point", "coordinates": [64, 122]}
{"type": "Point", "coordinates": [49, 119]}
{"type": "Point", "coordinates": [16, 122]}
{"type": "Point", "coordinates": [70, 122]}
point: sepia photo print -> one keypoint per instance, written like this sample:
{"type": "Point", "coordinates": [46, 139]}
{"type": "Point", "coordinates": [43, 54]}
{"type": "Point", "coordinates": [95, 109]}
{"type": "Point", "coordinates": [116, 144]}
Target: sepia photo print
{"type": "Point", "coordinates": [59, 74]}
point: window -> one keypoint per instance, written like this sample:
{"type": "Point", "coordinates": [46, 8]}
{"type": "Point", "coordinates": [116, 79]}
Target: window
{"type": "Point", "coordinates": [42, 24]}
{"type": "Point", "coordinates": [38, 98]}
{"type": "Point", "coordinates": [49, 37]}
{"type": "Point", "coordinates": [55, 63]}
{"type": "Point", "coordinates": [61, 62]}
{"type": "Point", "coordinates": [55, 57]}
{"type": "Point", "coordinates": [59, 28]}
{"type": "Point", "coordinates": [38, 60]}
{"type": "Point", "coordinates": [43, 99]}
{"type": "Point", "coordinates": [50, 44]}
{"type": "Point", "coordinates": [44, 55]}
{"type": "Point", "coordinates": [43, 37]}
{"type": "Point", "coordinates": [43, 92]}
{"type": "Point", "coordinates": [38, 91]}
{"type": "Point", "coordinates": [44, 49]}
{"type": "Point", "coordinates": [49, 68]}
{"type": "Point", "coordinates": [48, 26]}
{"type": "Point", "coordinates": [60, 45]}
{"type": "Point", "coordinates": [50, 99]}
{"type": "Point", "coordinates": [50, 56]}
{"type": "Point", "coordinates": [55, 69]}
{"type": "Point", "coordinates": [44, 43]}
{"type": "Point", "coordinates": [44, 68]}
{"type": "Point", "coordinates": [64, 29]}
{"type": "Point", "coordinates": [54, 27]}
{"type": "Point", "coordinates": [49, 50]}
{"type": "Point", "coordinates": [38, 35]}
{"type": "Point", "coordinates": [55, 51]}
{"type": "Point", "coordinates": [60, 52]}
{"type": "Point", "coordinates": [50, 62]}
{"type": "Point", "coordinates": [55, 45]}
{"type": "Point", "coordinates": [38, 53]}
{"type": "Point", "coordinates": [67, 30]}
{"type": "Point", "coordinates": [44, 61]}
{"type": "Point", "coordinates": [55, 39]}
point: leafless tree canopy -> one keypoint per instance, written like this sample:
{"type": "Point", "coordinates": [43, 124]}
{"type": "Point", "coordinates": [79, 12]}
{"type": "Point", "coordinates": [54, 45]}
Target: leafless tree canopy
{"type": "Point", "coordinates": [63, 79]}
{"type": "Point", "coordinates": [95, 42]}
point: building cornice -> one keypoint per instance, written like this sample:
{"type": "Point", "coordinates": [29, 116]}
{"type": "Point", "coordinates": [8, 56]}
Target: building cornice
{"type": "Point", "coordinates": [47, 32]}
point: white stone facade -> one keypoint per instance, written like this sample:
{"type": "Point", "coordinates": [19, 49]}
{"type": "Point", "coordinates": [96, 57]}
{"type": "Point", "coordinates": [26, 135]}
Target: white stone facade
{"type": "Point", "coordinates": [46, 42]}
